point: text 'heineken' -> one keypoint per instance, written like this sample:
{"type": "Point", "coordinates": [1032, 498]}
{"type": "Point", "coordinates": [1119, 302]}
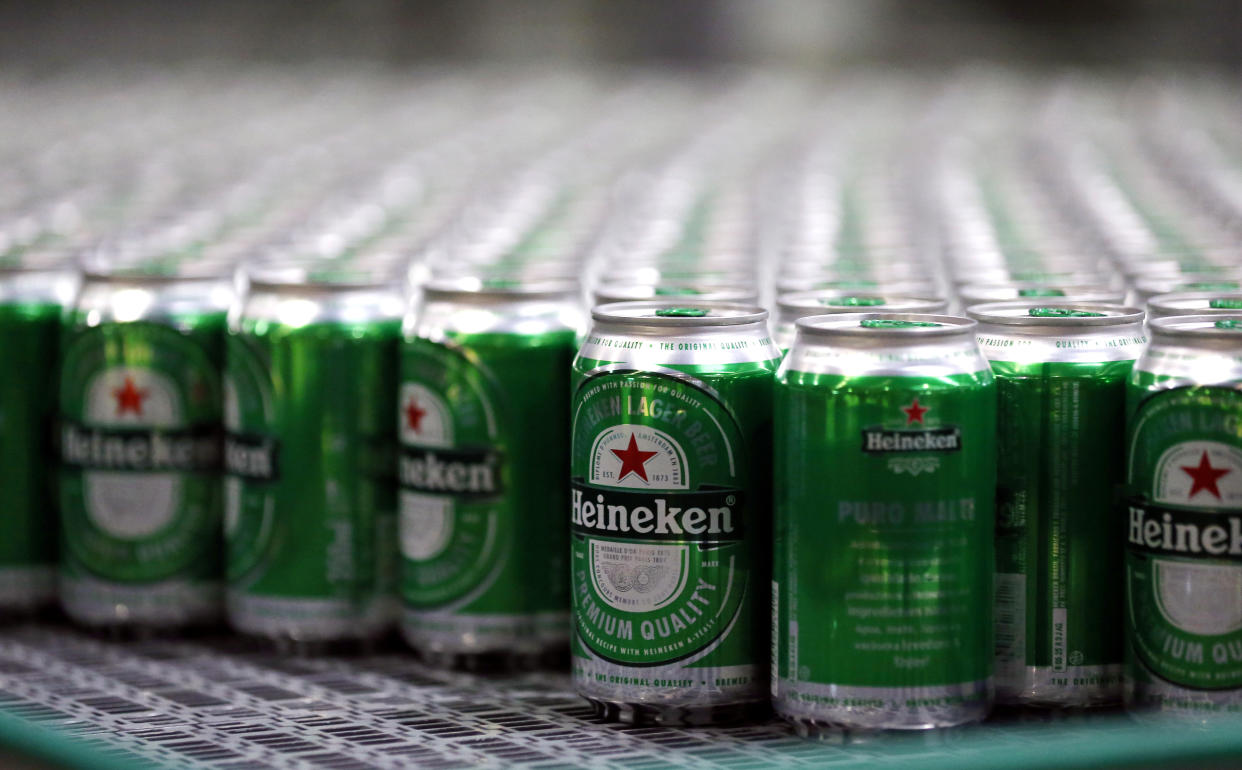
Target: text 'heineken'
{"type": "Point", "coordinates": [483, 420]}
{"type": "Point", "coordinates": [669, 511]}
{"type": "Point", "coordinates": [884, 454]}
{"type": "Point", "coordinates": [310, 497]}
{"type": "Point", "coordinates": [1182, 519]}
{"type": "Point", "coordinates": [1060, 374]}
{"type": "Point", "coordinates": [140, 445]}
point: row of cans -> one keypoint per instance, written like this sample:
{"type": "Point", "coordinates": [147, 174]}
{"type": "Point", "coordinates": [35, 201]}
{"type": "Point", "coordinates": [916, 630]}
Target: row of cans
{"type": "Point", "coordinates": [869, 524]}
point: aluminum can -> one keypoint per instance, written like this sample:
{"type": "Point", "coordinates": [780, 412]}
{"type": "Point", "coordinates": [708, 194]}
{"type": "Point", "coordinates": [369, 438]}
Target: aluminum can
{"type": "Point", "coordinates": [33, 294]}
{"type": "Point", "coordinates": [884, 456]}
{"type": "Point", "coordinates": [670, 543]}
{"type": "Point", "coordinates": [1182, 523]}
{"type": "Point", "coordinates": [790, 307]}
{"type": "Point", "coordinates": [310, 489]}
{"type": "Point", "coordinates": [1222, 303]}
{"type": "Point", "coordinates": [483, 424]}
{"type": "Point", "coordinates": [1060, 375]}
{"type": "Point", "coordinates": [140, 449]}
{"type": "Point", "coordinates": [1146, 287]}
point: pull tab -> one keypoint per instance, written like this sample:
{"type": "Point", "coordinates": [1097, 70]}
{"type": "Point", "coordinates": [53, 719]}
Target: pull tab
{"type": "Point", "coordinates": [681, 312]}
{"type": "Point", "coordinates": [1041, 292]}
{"type": "Point", "coordinates": [1232, 324]}
{"type": "Point", "coordinates": [1222, 303]}
{"type": "Point", "coordinates": [891, 323]}
{"type": "Point", "coordinates": [853, 301]}
{"type": "Point", "coordinates": [1062, 312]}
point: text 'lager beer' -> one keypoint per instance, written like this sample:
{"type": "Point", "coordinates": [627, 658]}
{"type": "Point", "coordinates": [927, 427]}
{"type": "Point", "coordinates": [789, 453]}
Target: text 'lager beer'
{"type": "Point", "coordinates": [140, 445]}
{"type": "Point", "coordinates": [310, 493]}
{"type": "Point", "coordinates": [1182, 522]}
{"type": "Point", "coordinates": [884, 479]}
{"type": "Point", "coordinates": [1060, 371]}
{"type": "Point", "coordinates": [483, 422]}
{"type": "Point", "coordinates": [34, 289]}
{"type": "Point", "coordinates": [669, 512]}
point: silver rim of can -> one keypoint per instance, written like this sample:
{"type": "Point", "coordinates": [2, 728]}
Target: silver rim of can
{"type": "Point", "coordinates": [638, 292]}
{"type": "Point", "coordinates": [1019, 313]}
{"type": "Point", "coordinates": [1193, 303]}
{"type": "Point", "coordinates": [795, 302]}
{"type": "Point", "coordinates": [303, 276]}
{"type": "Point", "coordinates": [662, 314]}
{"type": "Point", "coordinates": [1200, 327]}
{"type": "Point", "coordinates": [499, 290]}
{"type": "Point", "coordinates": [910, 327]}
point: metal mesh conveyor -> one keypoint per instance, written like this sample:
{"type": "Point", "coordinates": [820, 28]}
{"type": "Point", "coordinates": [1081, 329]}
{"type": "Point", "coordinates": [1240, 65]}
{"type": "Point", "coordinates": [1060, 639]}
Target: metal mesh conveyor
{"type": "Point", "coordinates": [221, 703]}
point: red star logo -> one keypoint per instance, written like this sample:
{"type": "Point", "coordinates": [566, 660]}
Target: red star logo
{"type": "Point", "coordinates": [633, 459]}
{"type": "Point", "coordinates": [414, 416]}
{"type": "Point", "coordinates": [914, 412]}
{"type": "Point", "coordinates": [1205, 477]}
{"type": "Point", "coordinates": [128, 398]}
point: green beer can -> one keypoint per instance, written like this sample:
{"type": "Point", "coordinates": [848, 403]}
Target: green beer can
{"type": "Point", "coordinates": [670, 544]}
{"type": "Point", "coordinates": [34, 290]}
{"type": "Point", "coordinates": [140, 448]}
{"type": "Point", "coordinates": [1060, 375]}
{"type": "Point", "coordinates": [483, 422]}
{"type": "Point", "coordinates": [1182, 528]}
{"type": "Point", "coordinates": [310, 488]}
{"type": "Point", "coordinates": [884, 480]}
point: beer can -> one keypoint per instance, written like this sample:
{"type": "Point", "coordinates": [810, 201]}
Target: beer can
{"type": "Point", "coordinates": [483, 424]}
{"type": "Point", "coordinates": [670, 544]}
{"type": "Point", "coordinates": [140, 444]}
{"type": "Point", "coordinates": [1182, 525]}
{"type": "Point", "coordinates": [34, 290]}
{"type": "Point", "coordinates": [884, 452]}
{"type": "Point", "coordinates": [802, 304]}
{"type": "Point", "coordinates": [1222, 303]}
{"type": "Point", "coordinates": [1060, 375]}
{"type": "Point", "coordinates": [310, 489]}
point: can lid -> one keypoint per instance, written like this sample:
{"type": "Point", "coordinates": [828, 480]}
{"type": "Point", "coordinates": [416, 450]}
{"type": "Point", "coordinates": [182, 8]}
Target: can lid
{"type": "Point", "coordinates": [316, 274]}
{"type": "Point", "coordinates": [1006, 291]}
{"type": "Point", "coordinates": [696, 292]}
{"type": "Point", "coordinates": [1195, 303]}
{"type": "Point", "coordinates": [675, 313]}
{"type": "Point", "coordinates": [38, 260]}
{"type": "Point", "coordinates": [1202, 327]}
{"type": "Point", "coordinates": [906, 327]}
{"type": "Point", "coordinates": [1040, 312]}
{"type": "Point", "coordinates": [499, 288]}
{"type": "Point", "coordinates": [822, 301]}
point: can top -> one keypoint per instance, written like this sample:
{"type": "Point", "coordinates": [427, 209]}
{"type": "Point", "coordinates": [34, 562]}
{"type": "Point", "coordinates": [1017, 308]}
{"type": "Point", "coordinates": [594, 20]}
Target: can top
{"type": "Point", "coordinates": [977, 293]}
{"type": "Point", "coordinates": [316, 275]}
{"type": "Point", "coordinates": [499, 289]}
{"type": "Point", "coordinates": [692, 291]}
{"type": "Point", "coordinates": [678, 313]}
{"type": "Point", "coordinates": [824, 301]}
{"type": "Point", "coordinates": [899, 327]}
{"type": "Point", "coordinates": [1207, 302]}
{"type": "Point", "coordinates": [37, 260]}
{"type": "Point", "coordinates": [1041, 312]}
{"type": "Point", "coordinates": [1226, 329]}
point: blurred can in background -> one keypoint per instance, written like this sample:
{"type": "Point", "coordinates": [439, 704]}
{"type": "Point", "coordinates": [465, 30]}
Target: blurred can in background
{"type": "Point", "coordinates": [310, 493]}
{"type": "Point", "coordinates": [483, 423]}
{"type": "Point", "coordinates": [140, 447]}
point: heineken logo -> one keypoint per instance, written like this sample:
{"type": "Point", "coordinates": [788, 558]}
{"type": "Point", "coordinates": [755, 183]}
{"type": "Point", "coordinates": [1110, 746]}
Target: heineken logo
{"type": "Point", "coordinates": [705, 514]}
{"type": "Point", "coordinates": [1204, 477]}
{"type": "Point", "coordinates": [251, 457]}
{"type": "Point", "coordinates": [120, 449]}
{"type": "Point", "coordinates": [466, 471]}
{"type": "Point", "coordinates": [1168, 530]}
{"type": "Point", "coordinates": [884, 440]}
{"type": "Point", "coordinates": [640, 456]}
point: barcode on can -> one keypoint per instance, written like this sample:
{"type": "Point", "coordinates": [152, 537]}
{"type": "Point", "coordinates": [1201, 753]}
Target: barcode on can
{"type": "Point", "coordinates": [1010, 616]}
